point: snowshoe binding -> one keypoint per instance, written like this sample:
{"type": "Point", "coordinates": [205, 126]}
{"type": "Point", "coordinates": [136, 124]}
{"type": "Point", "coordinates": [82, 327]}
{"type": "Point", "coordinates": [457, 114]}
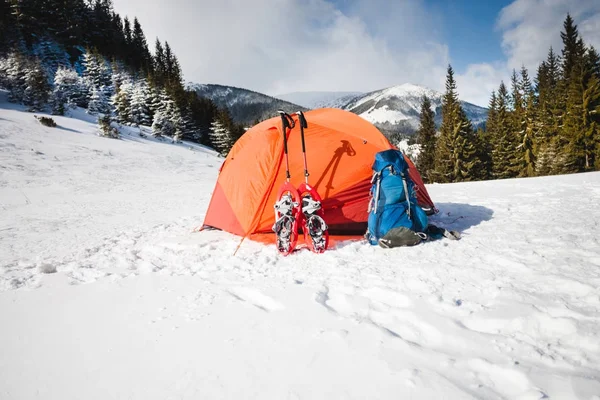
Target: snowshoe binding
{"type": "Point", "coordinates": [315, 228]}
{"type": "Point", "coordinates": [287, 212]}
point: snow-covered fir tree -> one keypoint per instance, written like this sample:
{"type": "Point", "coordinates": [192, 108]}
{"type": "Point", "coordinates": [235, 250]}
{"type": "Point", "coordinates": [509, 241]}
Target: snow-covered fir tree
{"type": "Point", "coordinates": [37, 89]}
{"type": "Point", "coordinates": [13, 75]}
{"type": "Point", "coordinates": [167, 118]}
{"type": "Point", "coordinates": [96, 70]}
{"type": "Point", "coordinates": [161, 125]}
{"type": "Point", "coordinates": [220, 137]}
{"type": "Point", "coordinates": [68, 90]}
{"type": "Point", "coordinates": [121, 101]}
{"type": "Point", "coordinates": [98, 104]}
{"type": "Point", "coordinates": [140, 112]}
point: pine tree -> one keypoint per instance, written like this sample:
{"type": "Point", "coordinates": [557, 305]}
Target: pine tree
{"type": "Point", "coordinates": [98, 104]}
{"type": "Point", "coordinates": [550, 108]}
{"type": "Point", "coordinates": [426, 139]}
{"type": "Point", "coordinates": [13, 75]}
{"type": "Point", "coordinates": [190, 130]}
{"type": "Point", "coordinates": [572, 50]}
{"type": "Point", "coordinates": [572, 138]}
{"type": "Point", "coordinates": [528, 126]}
{"type": "Point", "coordinates": [503, 155]}
{"type": "Point", "coordinates": [220, 137]}
{"type": "Point", "coordinates": [518, 124]}
{"type": "Point", "coordinates": [488, 137]}
{"type": "Point", "coordinates": [160, 67]}
{"type": "Point", "coordinates": [162, 125]}
{"type": "Point", "coordinates": [122, 102]}
{"type": "Point", "coordinates": [444, 164]}
{"type": "Point", "coordinates": [67, 90]}
{"type": "Point", "coordinates": [140, 113]}
{"type": "Point", "coordinates": [458, 149]}
{"type": "Point", "coordinates": [142, 58]}
{"type": "Point", "coordinates": [485, 149]}
{"type": "Point", "coordinates": [96, 71]}
{"type": "Point", "coordinates": [591, 110]}
{"type": "Point", "coordinates": [173, 114]}
{"type": "Point", "coordinates": [37, 89]}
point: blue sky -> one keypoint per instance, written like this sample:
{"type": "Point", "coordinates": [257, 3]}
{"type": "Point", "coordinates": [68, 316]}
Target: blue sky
{"type": "Point", "coordinates": [470, 30]}
{"type": "Point", "coordinates": [467, 26]}
{"type": "Point", "coordinates": [284, 46]}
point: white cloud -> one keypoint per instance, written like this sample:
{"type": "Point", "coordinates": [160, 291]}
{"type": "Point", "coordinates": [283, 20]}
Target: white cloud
{"type": "Point", "coordinates": [529, 28]}
{"type": "Point", "coordinates": [278, 46]}
{"type": "Point", "coordinates": [476, 84]}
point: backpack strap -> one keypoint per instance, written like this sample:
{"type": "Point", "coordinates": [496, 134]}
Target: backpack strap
{"type": "Point", "coordinates": [406, 194]}
{"type": "Point", "coordinates": [377, 190]}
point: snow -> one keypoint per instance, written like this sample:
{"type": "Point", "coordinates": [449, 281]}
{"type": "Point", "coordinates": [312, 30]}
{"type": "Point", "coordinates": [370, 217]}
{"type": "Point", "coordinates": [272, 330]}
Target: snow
{"type": "Point", "coordinates": [402, 104]}
{"type": "Point", "coordinates": [107, 293]}
{"type": "Point", "coordinates": [384, 114]}
{"type": "Point", "coordinates": [314, 100]}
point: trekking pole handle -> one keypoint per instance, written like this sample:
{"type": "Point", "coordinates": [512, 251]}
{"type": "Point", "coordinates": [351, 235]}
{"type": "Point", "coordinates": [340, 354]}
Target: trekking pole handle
{"type": "Point", "coordinates": [303, 124]}
{"type": "Point", "coordinates": [286, 122]}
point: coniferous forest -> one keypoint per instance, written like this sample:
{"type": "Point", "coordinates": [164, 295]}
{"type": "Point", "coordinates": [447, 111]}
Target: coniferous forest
{"type": "Point", "coordinates": [542, 126]}
{"type": "Point", "coordinates": [62, 54]}
{"type": "Point", "coordinates": [67, 53]}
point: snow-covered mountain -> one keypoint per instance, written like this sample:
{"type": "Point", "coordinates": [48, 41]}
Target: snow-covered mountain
{"type": "Point", "coordinates": [393, 110]}
{"type": "Point", "coordinates": [246, 106]}
{"type": "Point", "coordinates": [107, 293]}
{"type": "Point", "coordinates": [314, 100]}
{"type": "Point", "coordinates": [396, 109]}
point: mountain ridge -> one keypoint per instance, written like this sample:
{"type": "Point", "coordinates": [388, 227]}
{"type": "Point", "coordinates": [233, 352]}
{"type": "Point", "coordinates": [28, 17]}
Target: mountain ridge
{"type": "Point", "coordinates": [246, 106]}
{"type": "Point", "coordinates": [394, 110]}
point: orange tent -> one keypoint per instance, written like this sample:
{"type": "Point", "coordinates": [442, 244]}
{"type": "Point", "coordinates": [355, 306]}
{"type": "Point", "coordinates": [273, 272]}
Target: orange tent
{"type": "Point", "coordinates": [340, 149]}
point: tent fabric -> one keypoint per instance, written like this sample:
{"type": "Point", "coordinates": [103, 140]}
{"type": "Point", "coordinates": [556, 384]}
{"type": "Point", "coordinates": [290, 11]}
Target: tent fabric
{"type": "Point", "coordinates": [340, 148]}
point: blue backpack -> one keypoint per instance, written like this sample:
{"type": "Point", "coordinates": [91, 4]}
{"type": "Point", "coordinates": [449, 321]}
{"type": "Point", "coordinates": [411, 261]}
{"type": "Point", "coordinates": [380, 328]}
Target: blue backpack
{"type": "Point", "coordinates": [395, 219]}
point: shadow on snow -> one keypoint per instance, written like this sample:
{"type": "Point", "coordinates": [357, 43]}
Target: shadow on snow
{"type": "Point", "coordinates": [459, 216]}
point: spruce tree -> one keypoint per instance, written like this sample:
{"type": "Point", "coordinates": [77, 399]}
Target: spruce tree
{"type": "Point", "coordinates": [426, 139]}
{"type": "Point", "coordinates": [485, 148]}
{"type": "Point", "coordinates": [96, 70]}
{"type": "Point", "coordinates": [67, 90]}
{"type": "Point", "coordinates": [37, 89]}
{"type": "Point", "coordinates": [503, 165]}
{"type": "Point", "coordinates": [161, 124]}
{"type": "Point", "coordinates": [550, 108]}
{"type": "Point", "coordinates": [142, 58]}
{"type": "Point", "coordinates": [591, 110]}
{"type": "Point", "coordinates": [529, 126]}
{"type": "Point", "coordinates": [98, 104]}
{"type": "Point", "coordinates": [220, 137]}
{"type": "Point", "coordinates": [571, 139]}
{"type": "Point", "coordinates": [518, 124]}
{"type": "Point", "coordinates": [122, 102]}
{"type": "Point", "coordinates": [140, 113]}
{"type": "Point", "coordinates": [458, 149]}
{"type": "Point", "coordinates": [160, 68]}
{"type": "Point", "coordinates": [572, 50]}
{"type": "Point", "coordinates": [444, 165]}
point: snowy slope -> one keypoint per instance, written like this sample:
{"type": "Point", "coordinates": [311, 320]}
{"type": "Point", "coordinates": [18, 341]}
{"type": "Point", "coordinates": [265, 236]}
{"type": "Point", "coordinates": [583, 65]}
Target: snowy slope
{"type": "Point", "coordinates": [141, 307]}
{"type": "Point", "coordinates": [315, 100]}
{"type": "Point", "coordinates": [396, 109]}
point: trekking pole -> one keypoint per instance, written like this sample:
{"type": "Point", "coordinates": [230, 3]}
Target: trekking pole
{"type": "Point", "coordinates": [303, 124]}
{"type": "Point", "coordinates": [286, 122]}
